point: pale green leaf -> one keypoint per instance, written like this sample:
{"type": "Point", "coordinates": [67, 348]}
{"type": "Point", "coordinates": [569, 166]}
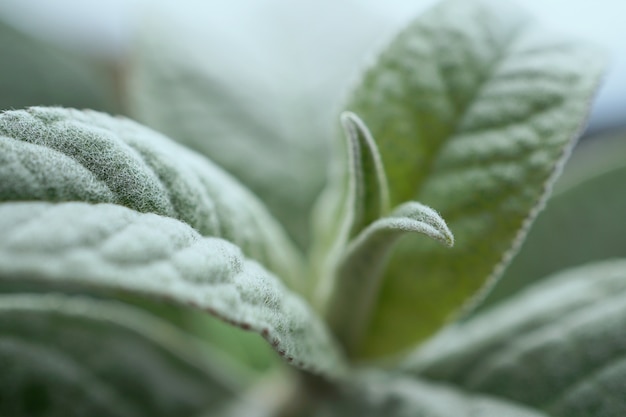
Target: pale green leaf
{"type": "Point", "coordinates": [376, 395]}
{"type": "Point", "coordinates": [348, 206]}
{"type": "Point", "coordinates": [583, 221]}
{"type": "Point", "coordinates": [359, 273]}
{"type": "Point", "coordinates": [54, 154]}
{"type": "Point", "coordinates": [560, 346]}
{"type": "Point", "coordinates": [369, 186]}
{"type": "Point", "coordinates": [112, 249]}
{"type": "Point", "coordinates": [474, 108]}
{"type": "Point", "coordinates": [76, 357]}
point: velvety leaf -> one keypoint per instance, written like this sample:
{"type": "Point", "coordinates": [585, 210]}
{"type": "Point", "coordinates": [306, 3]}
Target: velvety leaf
{"type": "Point", "coordinates": [54, 154]}
{"type": "Point", "coordinates": [583, 221]}
{"type": "Point", "coordinates": [346, 207]}
{"type": "Point", "coordinates": [474, 108]}
{"type": "Point", "coordinates": [34, 73]}
{"type": "Point", "coordinates": [77, 357]}
{"type": "Point", "coordinates": [398, 396]}
{"type": "Point", "coordinates": [560, 346]}
{"type": "Point", "coordinates": [112, 249]}
{"type": "Point", "coordinates": [367, 175]}
{"type": "Point", "coordinates": [359, 272]}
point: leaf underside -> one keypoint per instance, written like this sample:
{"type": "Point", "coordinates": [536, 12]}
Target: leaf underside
{"type": "Point", "coordinates": [560, 346]}
{"type": "Point", "coordinates": [474, 108]}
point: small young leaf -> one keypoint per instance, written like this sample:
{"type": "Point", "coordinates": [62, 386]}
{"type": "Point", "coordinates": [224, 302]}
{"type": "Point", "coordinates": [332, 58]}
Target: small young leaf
{"type": "Point", "coordinates": [359, 273]}
{"type": "Point", "coordinates": [368, 182]}
{"type": "Point", "coordinates": [560, 346]}
{"type": "Point", "coordinates": [54, 154]}
{"type": "Point", "coordinates": [112, 249]}
{"type": "Point", "coordinates": [375, 395]}
{"type": "Point", "coordinates": [76, 357]}
{"type": "Point", "coordinates": [474, 108]}
{"type": "Point", "coordinates": [583, 221]}
{"type": "Point", "coordinates": [348, 206]}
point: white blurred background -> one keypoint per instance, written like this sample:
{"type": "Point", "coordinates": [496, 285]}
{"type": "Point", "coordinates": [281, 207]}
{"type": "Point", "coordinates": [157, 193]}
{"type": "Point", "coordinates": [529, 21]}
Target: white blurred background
{"type": "Point", "coordinates": [105, 29]}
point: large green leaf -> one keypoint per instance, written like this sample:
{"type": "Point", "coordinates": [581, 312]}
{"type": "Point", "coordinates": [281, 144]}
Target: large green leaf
{"type": "Point", "coordinates": [583, 221]}
{"type": "Point", "coordinates": [474, 108]}
{"type": "Point", "coordinates": [54, 154]}
{"type": "Point", "coordinates": [377, 395]}
{"type": "Point", "coordinates": [77, 357]}
{"type": "Point", "coordinates": [560, 346]}
{"type": "Point", "coordinates": [118, 251]}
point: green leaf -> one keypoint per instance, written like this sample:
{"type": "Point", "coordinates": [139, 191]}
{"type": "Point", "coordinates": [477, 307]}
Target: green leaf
{"type": "Point", "coordinates": [367, 175]}
{"type": "Point", "coordinates": [112, 249]}
{"type": "Point", "coordinates": [560, 346]}
{"type": "Point", "coordinates": [474, 108]}
{"type": "Point", "coordinates": [349, 205]}
{"type": "Point", "coordinates": [54, 154]}
{"type": "Point", "coordinates": [583, 221]}
{"type": "Point", "coordinates": [358, 276]}
{"type": "Point", "coordinates": [377, 395]}
{"type": "Point", "coordinates": [75, 357]}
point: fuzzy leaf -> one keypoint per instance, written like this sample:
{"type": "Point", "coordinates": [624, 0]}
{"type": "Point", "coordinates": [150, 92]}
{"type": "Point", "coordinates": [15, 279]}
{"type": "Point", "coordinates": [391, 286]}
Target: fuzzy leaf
{"type": "Point", "coordinates": [76, 357]}
{"type": "Point", "coordinates": [367, 175]}
{"type": "Point", "coordinates": [583, 221]}
{"type": "Point", "coordinates": [112, 249]}
{"type": "Point", "coordinates": [560, 346]}
{"type": "Point", "coordinates": [377, 395]}
{"type": "Point", "coordinates": [54, 154]}
{"type": "Point", "coordinates": [359, 272]}
{"type": "Point", "coordinates": [348, 206]}
{"type": "Point", "coordinates": [474, 108]}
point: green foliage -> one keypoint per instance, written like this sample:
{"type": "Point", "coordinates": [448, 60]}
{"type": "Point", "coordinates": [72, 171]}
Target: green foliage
{"type": "Point", "coordinates": [64, 356]}
{"type": "Point", "coordinates": [107, 247]}
{"type": "Point", "coordinates": [56, 155]}
{"type": "Point", "coordinates": [131, 265]}
{"type": "Point", "coordinates": [474, 108]}
{"type": "Point", "coordinates": [560, 346]}
{"type": "Point", "coordinates": [583, 221]}
{"type": "Point", "coordinates": [374, 395]}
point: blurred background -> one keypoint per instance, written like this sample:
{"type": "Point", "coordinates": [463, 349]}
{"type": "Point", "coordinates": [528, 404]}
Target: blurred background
{"type": "Point", "coordinates": [102, 33]}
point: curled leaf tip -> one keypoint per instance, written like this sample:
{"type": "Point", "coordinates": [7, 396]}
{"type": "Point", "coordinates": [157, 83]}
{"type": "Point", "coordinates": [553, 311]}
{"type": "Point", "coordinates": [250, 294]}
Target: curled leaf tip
{"type": "Point", "coordinates": [417, 217]}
